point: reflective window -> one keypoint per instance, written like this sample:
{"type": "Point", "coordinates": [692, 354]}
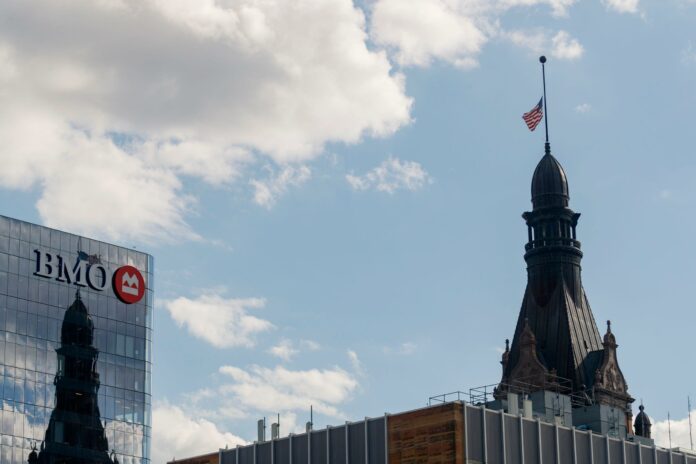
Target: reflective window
{"type": "Point", "coordinates": [40, 378]}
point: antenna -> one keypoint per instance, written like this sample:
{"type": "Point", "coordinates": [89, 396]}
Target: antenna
{"type": "Point", "coordinates": [669, 429]}
{"type": "Point", "coordinates": [691, 435]}
{"type": "Point", "coordinates": [261, 430]}
{"type": "Point", "coordinates": [310, 425]}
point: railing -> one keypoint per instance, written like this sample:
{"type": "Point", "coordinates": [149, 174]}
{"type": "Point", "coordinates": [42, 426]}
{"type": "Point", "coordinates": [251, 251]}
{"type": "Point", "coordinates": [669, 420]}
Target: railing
{"type": "Point", "coordinates": [487, 393]}
{"type": "Point", "coordinates": [552, 241]}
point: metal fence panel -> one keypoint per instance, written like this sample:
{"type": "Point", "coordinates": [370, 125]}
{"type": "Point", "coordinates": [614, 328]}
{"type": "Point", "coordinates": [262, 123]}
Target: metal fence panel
{"type": "Point", "coordinates": [548, 443]}
{"type": "Point", "coordinates": [565, 445]}
{"type": "Point", "coordinates": [246, 455]}
{"type": "Point", "coordinates": [263, 453]}
{"type": "Point", "coordinates": [281, 453]}
{"type": "Point", "coordinates": [493, 437]}
{"type": "Point", "coordinates": [662, 457]}
{"type": "Point", "coordinates": [531, 438]}
{"type": "Point", "coordinates": [648, 455]}
{"type": "Point", "coordinates": [299, 449]}
{"type": "Point", "coordinates": [356, 443]}
{"type": "Point", "coordinates": [512, 440]}
{"type": "Point", "coordinates": [583, 448]}
{"type": "Point", "coordinates": [615, 452]}
{"type": "Point", "coordinates": [337, 445]}
{"type": "Point", "coordinates": [474, 433]}
{"type": "Point", "coordinates": [318, 445]}
{"type": "Point", "coordinates": [599, 448]}
{"type": "Point", "coordinates": [376, 441]}
{"type": "Point", "coordinates": [631, 450]}
{"type": "Point", "coordinates": [229, 456]}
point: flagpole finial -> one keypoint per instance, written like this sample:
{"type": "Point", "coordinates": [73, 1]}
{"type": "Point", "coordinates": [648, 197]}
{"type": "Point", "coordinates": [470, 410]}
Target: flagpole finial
{"type": "Point", "coordinates": [542, 59]}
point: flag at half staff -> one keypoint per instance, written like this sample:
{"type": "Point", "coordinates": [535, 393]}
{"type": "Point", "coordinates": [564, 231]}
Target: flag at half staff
{"type": "Point", "coordinates": [535, 115]}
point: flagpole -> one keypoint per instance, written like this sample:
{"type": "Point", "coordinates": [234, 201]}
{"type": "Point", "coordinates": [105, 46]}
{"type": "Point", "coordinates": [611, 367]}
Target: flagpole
{"type": "Point", "coordinates": [542, 60]}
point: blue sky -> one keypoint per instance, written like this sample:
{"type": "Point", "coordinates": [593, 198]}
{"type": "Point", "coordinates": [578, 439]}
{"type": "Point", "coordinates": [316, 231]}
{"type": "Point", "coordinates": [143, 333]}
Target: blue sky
{"type": "Point", "coordinates": [332, 191]}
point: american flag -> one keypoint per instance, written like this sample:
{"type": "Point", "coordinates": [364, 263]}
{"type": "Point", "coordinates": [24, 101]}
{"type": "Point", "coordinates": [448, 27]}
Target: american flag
{"type": "Point", "coordinates": [534, 116]}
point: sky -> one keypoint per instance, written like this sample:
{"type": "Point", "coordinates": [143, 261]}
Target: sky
{"type": "Point", "coordinates": [332, 189]}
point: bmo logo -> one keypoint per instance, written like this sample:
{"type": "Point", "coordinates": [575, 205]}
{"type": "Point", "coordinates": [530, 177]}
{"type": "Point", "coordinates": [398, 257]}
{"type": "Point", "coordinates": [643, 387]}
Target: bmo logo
{"type": "Point", "coordinates": [129, 285]}
{"type": "Point", "coordinates": [127, 281]}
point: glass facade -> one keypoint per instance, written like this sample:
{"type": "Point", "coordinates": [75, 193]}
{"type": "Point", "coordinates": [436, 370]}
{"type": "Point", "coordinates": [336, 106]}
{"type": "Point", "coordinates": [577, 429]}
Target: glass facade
{"type": "Point", "coordinates": [89, 364]}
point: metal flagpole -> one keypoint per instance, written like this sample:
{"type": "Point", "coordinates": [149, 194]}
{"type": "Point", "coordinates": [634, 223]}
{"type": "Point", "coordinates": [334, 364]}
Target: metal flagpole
{"type": "Point", "coordinates": [542, 60]}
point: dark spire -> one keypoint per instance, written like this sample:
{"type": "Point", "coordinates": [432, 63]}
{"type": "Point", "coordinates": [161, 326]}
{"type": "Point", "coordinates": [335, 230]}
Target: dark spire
{"type": "Point", "coordinates": [642, 424]}
{"type": "Point", "coordinates": [75, 433]}
{"type": "Point", "coordinates": [609, 338]}
{"type": "Point", "coordinates": [555, 318]}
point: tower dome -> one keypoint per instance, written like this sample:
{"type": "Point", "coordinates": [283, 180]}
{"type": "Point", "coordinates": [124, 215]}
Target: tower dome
{"type": "Point", "coordinates": [549, 183]}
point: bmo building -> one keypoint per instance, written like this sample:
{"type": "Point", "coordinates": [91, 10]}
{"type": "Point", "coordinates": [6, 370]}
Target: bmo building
{"type": "Point", "coordinates": [75, 348]}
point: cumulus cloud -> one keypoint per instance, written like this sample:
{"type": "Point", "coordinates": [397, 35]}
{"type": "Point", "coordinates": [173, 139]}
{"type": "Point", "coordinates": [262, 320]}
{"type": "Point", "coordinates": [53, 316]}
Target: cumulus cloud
{"type": "Point", "coordinates": [561, 45]}
{"type": "Point", "coordinates": [287, 349]}
{"type": "Point", "coordinates": [267, 191]}
{"type": "Point", "coordinates": [176, 434]}
{"type": "Point", "coordinates": [622, 6]}
{"type": "Point", "coordinates": [222, 322]}
{"type": "Point", "coordinates": [283, 350]}
{"type": "Point", "coordinates": [679, 429]}
{"type": "Point", "coordinates": [391, 175]}
{"type": "Point", "coordinates": [280, 389]}
{"type": "Point", "coordinates": [110, 106]}
{"type": "Point", "coordinates": [565, 47]}
{"type": "Point", "coordinates": [423, 30]}
{"type": "Point", "coordinates": [583, 108]}
{"type": "Point", "coordinates": [419, 32]}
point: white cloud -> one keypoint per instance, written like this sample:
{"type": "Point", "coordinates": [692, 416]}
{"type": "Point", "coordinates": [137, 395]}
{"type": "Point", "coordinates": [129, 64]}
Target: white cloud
{"type": "Point", "coordinates": [391, 175]}
{"type": "Point", "coordinates": [287, 349]}
{"type": "Point", "coordinates": [110, 121]}
{"type": "Point", "coordinates": [583, 108]}
{"type": "Point", "coordinates": [558, 7]}
{"type": "Point", "coordinates": [680, 432]}
{"type": "Point", "coordinates": [423, 30]}
{"type": "Point", "coordinates": [284, 350]}
{"type": "Point", "coordinates": [622, 6]}
{"type": "Point", "coordinates": [561, 45]}
{"type": "Point", "coordinates": [309, 345]}
{"type": "Point", "coordinates": [535, 40]}
{"type": "Point", "coordinates": [355, 362]}
{"type": "Point", "coordinates": [419, 32]}
{"type": "Point", "coordinates": [222, 322]}
{"type": "Point", "coordinates": [565, 47]}
{"type": "Point", "coordinates": [267, 191]}
{"type": "Point", "coordinates": [280, 389]}
{"type": "Point", "coordinates": [175, 434]}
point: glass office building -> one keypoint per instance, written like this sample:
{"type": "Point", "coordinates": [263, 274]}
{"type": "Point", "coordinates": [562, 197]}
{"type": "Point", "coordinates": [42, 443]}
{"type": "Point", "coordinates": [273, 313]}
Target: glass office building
{"type": "Point", "coordinates": [75, 348]}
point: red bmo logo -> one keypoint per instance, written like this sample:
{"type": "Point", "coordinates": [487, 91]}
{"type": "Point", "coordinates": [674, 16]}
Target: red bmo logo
{"type": "Point", "coordinates": [129, 284]}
